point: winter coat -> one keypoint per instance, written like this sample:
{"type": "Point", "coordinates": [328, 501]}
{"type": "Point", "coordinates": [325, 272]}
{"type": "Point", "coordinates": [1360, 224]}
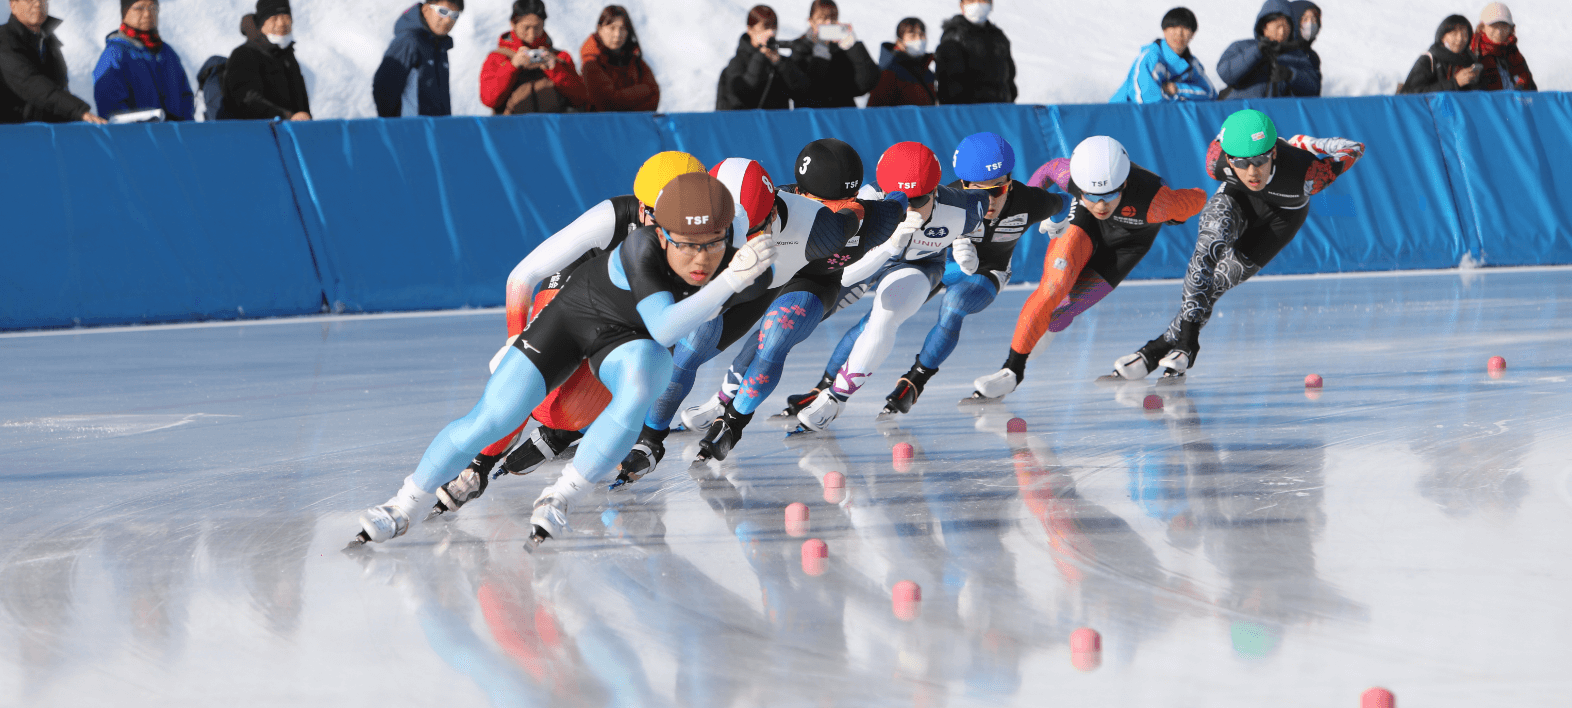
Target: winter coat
{"type": "Point", "coordinates": [974, 63]}
{"type": "Point", "coordinates": [263, 81]}
{"type": "Point", "coordinates": [1159, 64]}
{"type": "Point", "coordinates": [751, 81]}
{"type": "Point", "coordinates": [629, 86]}
{"type": "Point", "coordinates": [509, 90]}
{"type": "Point", "coordinates": [34, 85]}
{"type": "Point", "coordinates": [1435, 70]}
{"type": "Point", "coordinates": [131, 77]}
{"type": "Point", "coordinates": [413, 77]}
{"type": "Point", "coordinates": [1248, 65]}
{"type": "Point", "coordinates": [836, 77]}
{"type": "Point", "coordinates": [904, 80]}
{"type": "Point", "coordinates": [1504, 65]}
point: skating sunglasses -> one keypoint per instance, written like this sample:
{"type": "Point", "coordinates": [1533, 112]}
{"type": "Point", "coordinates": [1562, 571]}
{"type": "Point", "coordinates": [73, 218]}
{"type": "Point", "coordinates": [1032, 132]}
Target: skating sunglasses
{"type": "Point", "coordinates": [993, 192]}
{"type": "Point", "coordinates": [919, 202]}
{"type": "Point", "coordinates": [447, 13]}
{"type": "Point", "coordinates": [1104, 197]}
{"type": "Point", "coordinates": [1257, 161]}
{"type": "Point", "coordinates": [697, 248]}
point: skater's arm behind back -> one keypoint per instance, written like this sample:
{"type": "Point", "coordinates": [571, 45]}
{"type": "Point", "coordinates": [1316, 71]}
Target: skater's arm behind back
{"type": "Point", "coordinates": [1334, 156]}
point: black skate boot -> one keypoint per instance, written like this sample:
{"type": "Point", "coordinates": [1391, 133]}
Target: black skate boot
{"type": "Point", "coordinates": [468, 486]}
{"type": "Point", "coordinates": [643, 458]}
{"type": "Point", "coordinates": [723, 434]}
{"type": "Point", "coordinates": [795, 404]}
{"type": "Point", "coordinates": [1134, 367]}
{"type": "Point", "coordinates": [544, 444]}
{"type": "Point", "coordinates": [908, 388]}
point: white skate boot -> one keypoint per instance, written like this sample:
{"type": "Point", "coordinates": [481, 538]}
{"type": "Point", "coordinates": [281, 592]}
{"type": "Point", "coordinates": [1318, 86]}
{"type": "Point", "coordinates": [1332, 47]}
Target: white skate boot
{"type": "Point", "coordinates": [821, 412]}
{"type": "Point", "coordinates": [1175, 364]}
{"type": "Point", "coordinates": [391, 520]}
{"type": "Point", "coordinates": [997, 384]}
{"type": "Point", "coordinates": [550, 517]}
{"type": "Point", "coordinates": [702, 416]}
{"type": "Point", "coordinates": [1131, 367]}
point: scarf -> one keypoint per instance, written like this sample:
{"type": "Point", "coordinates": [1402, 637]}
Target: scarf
{"type": "Point", "coordinates": [149, 39]}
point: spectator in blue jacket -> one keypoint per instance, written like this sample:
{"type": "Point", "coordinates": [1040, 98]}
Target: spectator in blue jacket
{"type": "Point", "coordinates": [413, 78]}
{"type": "Point", "coordinates": [138, 71]}
{"type": "Point", "coordinates": [1278, 62]}
{"type": "Point", "coordinates": [1166, 70]}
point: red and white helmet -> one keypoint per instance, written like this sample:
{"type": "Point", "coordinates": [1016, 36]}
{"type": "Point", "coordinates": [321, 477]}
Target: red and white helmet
{"type": "Point", "coordinates": [752, 187]}
{"type": "Point", "coordinates": [909, 168]}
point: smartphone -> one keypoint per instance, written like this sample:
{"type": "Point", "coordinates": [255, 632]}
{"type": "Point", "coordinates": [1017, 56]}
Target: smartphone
{"type": "Point", "coordinates": [832, 33]}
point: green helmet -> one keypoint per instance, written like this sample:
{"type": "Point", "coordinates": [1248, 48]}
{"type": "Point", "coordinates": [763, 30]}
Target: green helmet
{"type": "Point", "coordinates": [1248, 133]}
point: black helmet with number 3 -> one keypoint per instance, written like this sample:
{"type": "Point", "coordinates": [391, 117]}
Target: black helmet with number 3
{"type": "Point", "coordinates": [828, 169]}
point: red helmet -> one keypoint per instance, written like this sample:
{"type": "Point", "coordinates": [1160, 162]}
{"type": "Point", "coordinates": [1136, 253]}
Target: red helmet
{"type": "Point", "coordinates": [750, 185]}
{"type": "Point", "coordinates": [910, 168]}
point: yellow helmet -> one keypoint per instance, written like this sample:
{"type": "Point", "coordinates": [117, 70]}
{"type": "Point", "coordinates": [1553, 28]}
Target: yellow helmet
{"type": "Point", "coordinates": [659, 170]}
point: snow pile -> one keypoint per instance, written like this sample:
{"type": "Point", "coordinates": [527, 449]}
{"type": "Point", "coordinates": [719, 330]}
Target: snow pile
{"type": "Point", "coordinates": [1066, 52]}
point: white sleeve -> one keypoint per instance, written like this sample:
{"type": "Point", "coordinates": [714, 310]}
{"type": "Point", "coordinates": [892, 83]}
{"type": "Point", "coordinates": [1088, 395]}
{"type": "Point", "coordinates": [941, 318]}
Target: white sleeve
{"type": "Point", "coordinates": [593, 229]}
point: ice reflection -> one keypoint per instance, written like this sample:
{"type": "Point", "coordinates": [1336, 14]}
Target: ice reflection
{"type": "Point", "coordinates": [37, 588]}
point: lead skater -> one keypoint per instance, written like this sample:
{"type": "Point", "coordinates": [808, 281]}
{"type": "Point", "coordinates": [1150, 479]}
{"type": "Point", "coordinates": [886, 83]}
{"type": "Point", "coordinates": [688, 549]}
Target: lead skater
{"type": "Point", "coordinates": [622, 312]}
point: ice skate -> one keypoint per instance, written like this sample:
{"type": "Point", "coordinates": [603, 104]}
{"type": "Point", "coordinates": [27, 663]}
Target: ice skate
{"type": "Point", "coordinates": [1134, 367]}
{"type": "Point", "coordinates": [469, 485]}
{"type": "Point", "coordinates": [392, 519]}
{"type": "Point", "coordinates": [641, 460]}
{"type": "Point", "coordinates": [543, 445]}
{"type": "Point", "coordinates": [818, 415]}
{"type": "Point", "coordinates": [908, 389]}
{"type": "Point", "coordinates": [550, 517]}
{"type": "Point", "coordinates": [701, 416]}
{"type": "Point", "coordinates": [723, 434]}
{"type": "Point", "coordinates": [795, 404]}
{"type": "Point", "coordinates": [995, 385]}
{"type": "Point", "coordinates": [1174, 366]}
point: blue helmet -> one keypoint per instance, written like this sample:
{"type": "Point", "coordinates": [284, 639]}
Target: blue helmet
{"type": "Point", "coordinates": [982, 157]}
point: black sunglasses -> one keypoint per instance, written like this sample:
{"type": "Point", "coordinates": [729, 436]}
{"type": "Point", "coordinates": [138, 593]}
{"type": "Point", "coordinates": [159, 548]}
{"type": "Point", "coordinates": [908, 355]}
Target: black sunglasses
{"type": "Point", "coordinates": [919, 202]}
{"type": "Point", "coordinates": [1257, 161]}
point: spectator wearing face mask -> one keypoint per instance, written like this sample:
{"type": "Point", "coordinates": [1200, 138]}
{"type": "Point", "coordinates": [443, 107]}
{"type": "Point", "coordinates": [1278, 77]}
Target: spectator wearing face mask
{"type": "Point", "coordinates": [262, 80]}
{"type": "Point", "coordinates": [525, 73]}
{"type": "Point", "coordinates": [1166, 70]}
{"type": "Point", "coordinates": [837, 65]}
{"type": "Point", "coordinates": [758, 76]}
{"type": "Point", "coordinates": [1307, 23]}
{"type": "Point", "coordinates": [614, 70]}
{"type": "Point", "coordinates": [1495, 41]}
{"type": "Point", "coordinates": [1449, 65]}
{"type": "Point", "coordinates": [904, 78]}
{"type": "Point", "coordinates": [973, 60]}
{"type": "Point", "coordinates": [1277, 62]}
{"type": "Point", "coordinates": [413, 77]}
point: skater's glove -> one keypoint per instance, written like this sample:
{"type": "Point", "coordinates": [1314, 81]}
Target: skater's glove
{"type": "Point", "coordinates": [965, 253]}
{"type": "Point", "coordinates": [904, 233]}
{"type": "Point", "coordinates": [496, 359]}
{"type": "Point", "coordinates": [1054, 229]}
{"type": "Point", "coordinates": [750, 261]}
{"type": "Point", "coordinates": [1323, 146]}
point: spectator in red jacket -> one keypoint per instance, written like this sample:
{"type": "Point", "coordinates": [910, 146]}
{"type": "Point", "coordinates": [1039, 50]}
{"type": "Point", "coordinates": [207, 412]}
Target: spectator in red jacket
{"type": "Point", "coordinates": [905, 78]}
{"type": "Point", "coordinates": [1495, 41]}
{"type": "Point", "coordinates": [614, 70]}
{"type": "Point", "coordinates": [526, 74]}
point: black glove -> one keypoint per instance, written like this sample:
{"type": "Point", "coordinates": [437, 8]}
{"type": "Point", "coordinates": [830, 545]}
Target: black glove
{"type": "Point", "coordinates": [1280, 73]}
{"type": "Point", "coordinates": [1269, 49]}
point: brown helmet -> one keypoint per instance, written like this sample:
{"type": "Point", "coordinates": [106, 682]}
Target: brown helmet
{"type": "Point", "coordinates": [695, 204]}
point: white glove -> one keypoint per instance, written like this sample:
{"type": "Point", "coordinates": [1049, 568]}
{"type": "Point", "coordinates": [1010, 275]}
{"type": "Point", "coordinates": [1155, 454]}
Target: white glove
{"type": "Point", "coordinates": [496, 359]}
{"type": "Point", "coordinates": [902, 237]}
{"type": "Point", "coordinates": [1054, 229]}
{"type": "Point", "coordinates": [750, 261]}
{"type": "Point", "coordinates": [965, 253]}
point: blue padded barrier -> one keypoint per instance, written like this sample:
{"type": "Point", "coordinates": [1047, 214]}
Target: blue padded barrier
{"type": "Point", "coordinates": [149, 223]}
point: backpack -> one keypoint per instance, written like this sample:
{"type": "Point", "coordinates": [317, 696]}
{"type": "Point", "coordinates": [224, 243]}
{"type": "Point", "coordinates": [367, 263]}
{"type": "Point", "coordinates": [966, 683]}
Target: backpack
{"type": "Point", "coordinates": [211, 79]}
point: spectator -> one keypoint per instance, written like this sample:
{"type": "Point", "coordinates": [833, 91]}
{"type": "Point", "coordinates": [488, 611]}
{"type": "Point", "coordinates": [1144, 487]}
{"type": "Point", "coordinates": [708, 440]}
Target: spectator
{"type": "Point", "coordinates": [973, 58]}
{"type": "Point", "coordinates": [138, 71]}
{"type": "Point", "coordinates": [756, 77]}
{"type": "Point", "coordinates": [525, 73]}
{"type": "Point", "coordinates": [1495, 41]}
{"type": "Point", "coordinates": [905, 79]}
{"type": "Point", "coordinates": [262, 80]}
{"type": "Point", "coordinates": [413, 77]}
{"type": "Point", "coordinates": [1276, 63]}
{"type": "Point", "coordinates": [837, 66]}
{"type": "Point", "coordinates": [1449, 65]}
{"type": "Point", "coordinates": [614, 70]}
{"type": "Point", "coordinates": [1166, 70]}
{"type": "Point", "coordinates": [33, 69]}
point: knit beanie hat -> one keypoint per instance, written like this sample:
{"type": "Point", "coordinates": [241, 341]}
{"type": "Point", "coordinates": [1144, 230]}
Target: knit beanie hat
{"type": "Point", "coordinates": [125, 6]}
{"type": "Point", "coordinates": [266, 9]}
{"type": "Point", "coordinates": [1496, 12]}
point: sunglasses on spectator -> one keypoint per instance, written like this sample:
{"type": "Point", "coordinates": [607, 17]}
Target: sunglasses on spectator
{"type": "Point", "coordinates": [446, 12]}
{"type": "Point", "coordinates": [919, 202]}
{"type": "Point", "coordinates": [993, 192]}
{"type": "Point", "coordinates": [697, 248]}
{"type": "Point", "coordinates": [1100, 198]}
{"type": "Point", "coordinates": [1257, 161]}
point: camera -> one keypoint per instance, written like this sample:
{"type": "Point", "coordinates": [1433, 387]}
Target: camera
{"type": "Point", "coordinates": [538, 56]}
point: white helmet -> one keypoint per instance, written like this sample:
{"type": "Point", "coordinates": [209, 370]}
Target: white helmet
{"type": "Point", "coordinates": [1099, 165]}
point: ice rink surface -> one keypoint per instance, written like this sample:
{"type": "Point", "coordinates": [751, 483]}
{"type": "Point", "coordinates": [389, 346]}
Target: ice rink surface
{"type": "Point", "coordinates": [176, 500]}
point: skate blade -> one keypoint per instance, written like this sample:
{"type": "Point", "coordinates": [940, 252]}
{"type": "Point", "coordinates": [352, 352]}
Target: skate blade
{"type": "Point", "coordinates": [360, 540]}
{"type": "Point", "coordinates": [435, 512]}
{"type": "Point", "coordinates": [1171, 379]}
{"type": "Point", "coordinates": [1114, 379]}
{"type": "Point", "coordinates": [800, 431]}
{"type": "Point", "coordinates": [535, 539]}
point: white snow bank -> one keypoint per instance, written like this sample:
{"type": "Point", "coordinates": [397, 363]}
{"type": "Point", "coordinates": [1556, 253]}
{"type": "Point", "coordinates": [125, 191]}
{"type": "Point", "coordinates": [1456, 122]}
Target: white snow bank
{"type": "Point", "coordinates": [1066, 52]}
